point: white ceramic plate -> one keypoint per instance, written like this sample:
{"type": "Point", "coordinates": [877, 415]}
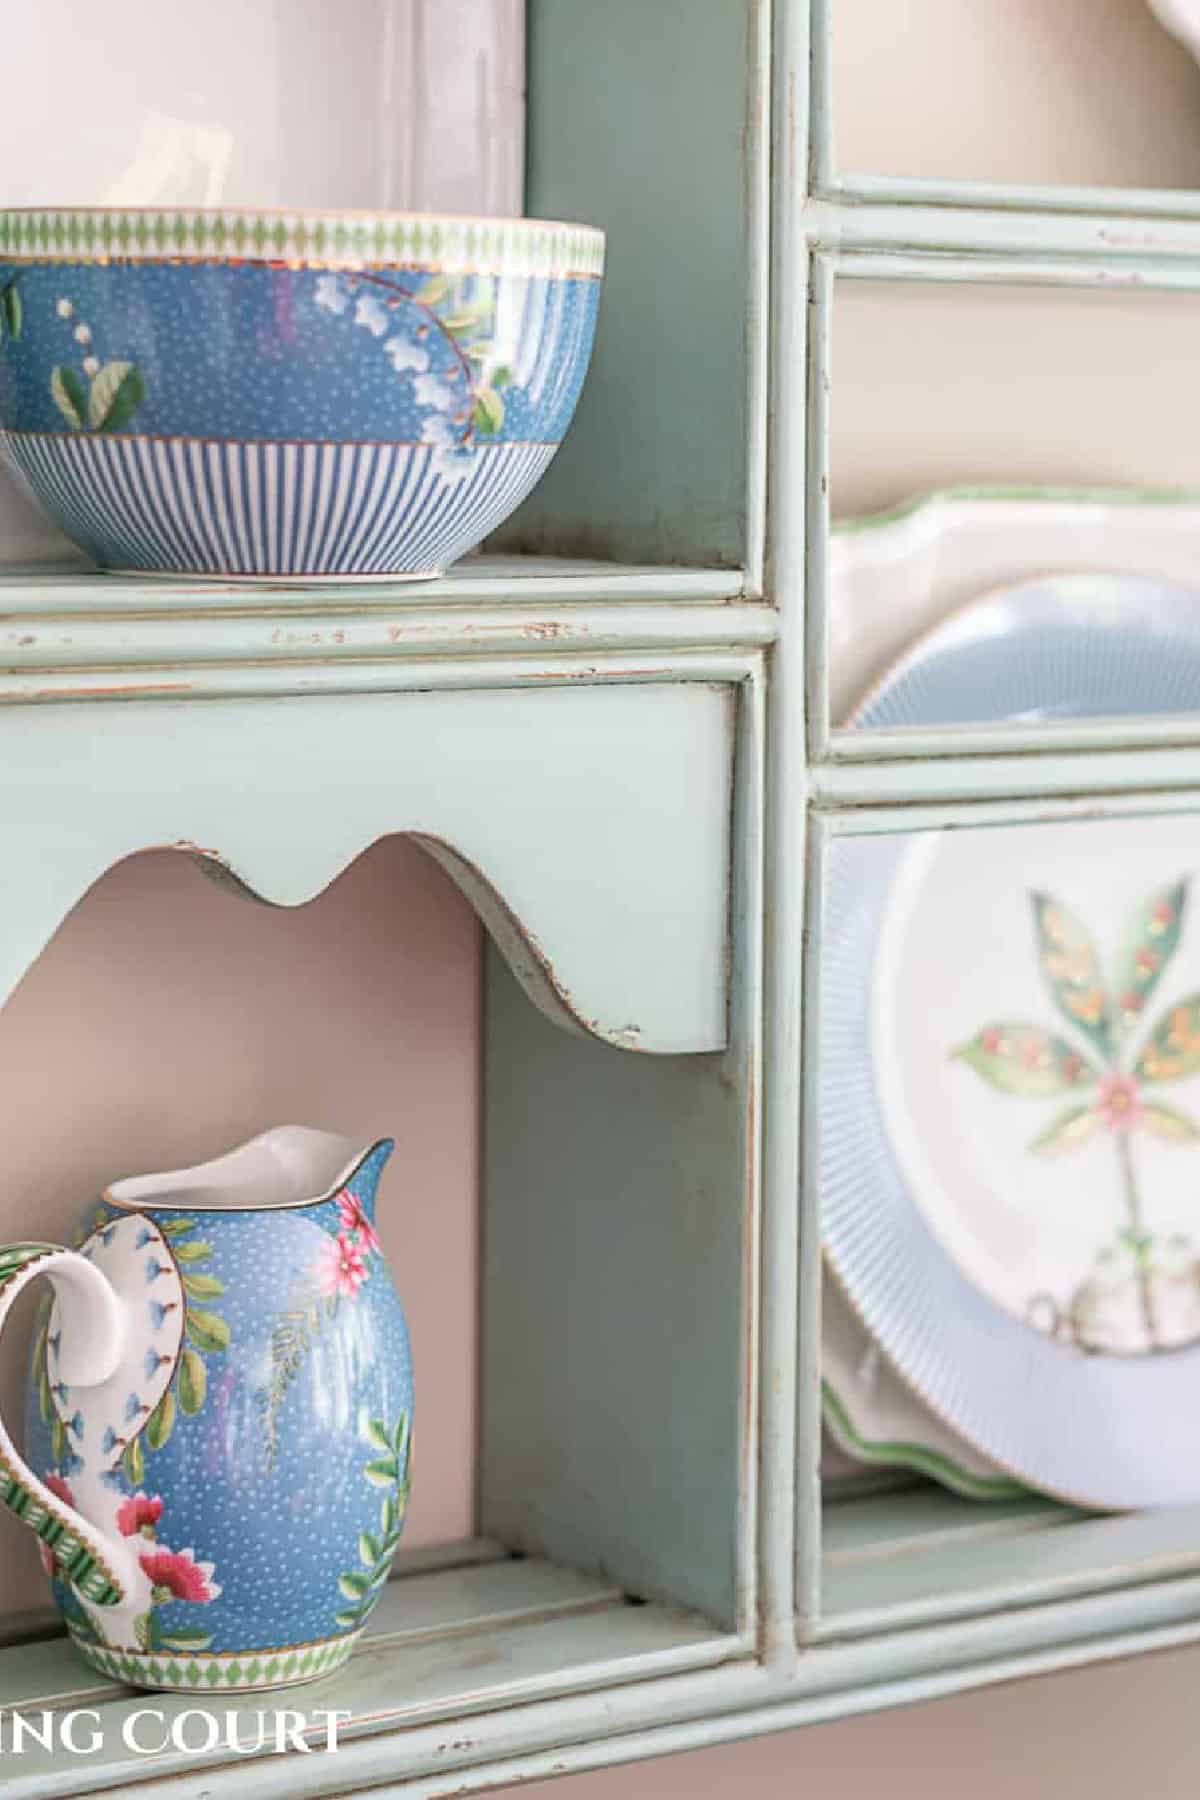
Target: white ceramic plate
{"type": "Point", "coordinates": [995, 1277]}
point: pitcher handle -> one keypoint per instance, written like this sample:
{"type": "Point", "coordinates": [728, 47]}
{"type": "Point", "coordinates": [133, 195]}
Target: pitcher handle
{"type": "Point", "coordinates": [101, 1568]}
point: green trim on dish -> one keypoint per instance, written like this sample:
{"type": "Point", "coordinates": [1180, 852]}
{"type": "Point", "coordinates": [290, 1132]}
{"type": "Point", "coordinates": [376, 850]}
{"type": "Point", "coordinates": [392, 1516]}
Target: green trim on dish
{"type": "Point", "coordinates": [206, 1673]}
{"type": "Point", "coordinates": [310, 239]}
{"type": "Point", "coordinates": [1062, 496]}
{"type": "Point", "coordinates": [913, 1456]}
{"type": "Point", "coordinates": [75, 1561]}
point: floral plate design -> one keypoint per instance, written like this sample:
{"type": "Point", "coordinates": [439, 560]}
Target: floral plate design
{"type": "Point", "coordinates": [1008, 1160]}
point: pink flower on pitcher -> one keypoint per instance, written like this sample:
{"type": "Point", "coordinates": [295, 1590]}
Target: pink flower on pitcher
{"type": "Point", "coordinates": [354, 1222]}
{"type": "Point", "coordinates": [181, 1575]}
{"type": "Point", "coordinates": [59, 1488]}
{"type": "Point", "coordinates": [1117, 1098]}
{"type": "Point", "coordinates": [341, 1266]}
{"type": "Point", "coordinates": [141, 1512]}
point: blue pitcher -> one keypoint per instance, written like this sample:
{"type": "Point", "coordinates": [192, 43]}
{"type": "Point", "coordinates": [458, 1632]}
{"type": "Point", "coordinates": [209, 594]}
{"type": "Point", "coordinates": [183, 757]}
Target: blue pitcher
{"type": "Point", "coordinates": [219, 1417]}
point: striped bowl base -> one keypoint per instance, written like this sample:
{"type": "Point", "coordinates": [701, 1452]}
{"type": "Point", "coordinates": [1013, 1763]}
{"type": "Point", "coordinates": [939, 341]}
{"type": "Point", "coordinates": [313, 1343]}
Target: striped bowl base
{"type": "Point", "coordinates": [198, 506]}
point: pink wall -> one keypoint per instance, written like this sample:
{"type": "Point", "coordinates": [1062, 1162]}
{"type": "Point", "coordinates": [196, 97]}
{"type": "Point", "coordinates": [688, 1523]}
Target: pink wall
{"type": "Point", "coordinates": [169, 1019]}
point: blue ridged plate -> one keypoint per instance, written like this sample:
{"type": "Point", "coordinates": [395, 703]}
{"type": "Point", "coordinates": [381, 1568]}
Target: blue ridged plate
{"type": "Point", "coordinates": [1065, 647]}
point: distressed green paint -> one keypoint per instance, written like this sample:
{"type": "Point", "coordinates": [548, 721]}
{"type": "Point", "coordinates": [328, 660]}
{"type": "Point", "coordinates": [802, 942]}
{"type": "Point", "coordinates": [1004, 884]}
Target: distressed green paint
{"type": "Point", "coordinates": [704, 1487]}
{"type": "Point", "coordinates": [649, 121]}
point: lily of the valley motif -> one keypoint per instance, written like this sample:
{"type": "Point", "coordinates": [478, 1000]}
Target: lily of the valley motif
{"type": "Point", "coordinates": [1110, 1072]}
{"type": "Point", "coordinates": [96, 395]}
{"type": "Point", "coordinates": [437, 332]}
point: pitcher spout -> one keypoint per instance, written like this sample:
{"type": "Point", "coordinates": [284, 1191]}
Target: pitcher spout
{"type": "Point", "coordinates": [360, 1185]}
{"type": "Point", "coordinates": [291, 1166]}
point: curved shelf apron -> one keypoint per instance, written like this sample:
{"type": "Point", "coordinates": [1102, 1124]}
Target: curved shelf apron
{"type": "Point", "coordinates": [588, 826]}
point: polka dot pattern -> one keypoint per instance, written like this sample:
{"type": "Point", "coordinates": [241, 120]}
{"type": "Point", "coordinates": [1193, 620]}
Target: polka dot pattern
{"type": "Point", "coordinates": [268, 1482]}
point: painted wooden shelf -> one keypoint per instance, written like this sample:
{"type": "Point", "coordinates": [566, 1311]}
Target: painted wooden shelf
{"type": "Point", "coordinates": [506, 622]}
{"type": "Point", "coordinates": [456, 1634]}
{"type": "Point", "coordinates": [626, 765]}
{"type": "Point", "coordinates": [893, 1563]}
{"type": "Point", "coordinates": [480, 580]}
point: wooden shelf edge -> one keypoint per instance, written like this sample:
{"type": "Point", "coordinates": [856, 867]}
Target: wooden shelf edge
{"type": "Point", "coordinates": [442, 1646]}
{"type": "Point", "coordinates": [477, 581]}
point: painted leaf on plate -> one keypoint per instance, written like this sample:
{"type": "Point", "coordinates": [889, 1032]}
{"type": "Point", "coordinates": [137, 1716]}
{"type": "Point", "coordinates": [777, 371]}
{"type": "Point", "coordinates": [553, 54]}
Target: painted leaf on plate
{"type": "Point", "coordinates": [1068, 1131]}
{"type": "Point", "coordinates": [1153, 941]}
{"type": "Point", "coordinates": [1072, 970]}
{"type": "Point", "coordinates": [1172, 1051]}
{"type": "Point", "coordinates": [1168, 1123]}
{"type": "Point", "coordinates": [1027, 1060]}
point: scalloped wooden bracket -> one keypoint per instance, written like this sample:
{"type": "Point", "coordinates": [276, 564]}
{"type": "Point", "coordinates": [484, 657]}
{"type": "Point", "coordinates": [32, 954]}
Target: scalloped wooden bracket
{"type": "Point", "coordinates": [588, 826]}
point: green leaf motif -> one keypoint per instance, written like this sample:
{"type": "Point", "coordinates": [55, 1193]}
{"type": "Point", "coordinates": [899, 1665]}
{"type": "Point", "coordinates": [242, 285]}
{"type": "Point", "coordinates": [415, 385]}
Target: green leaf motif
{"type": "Point", "coordinates": [501, 377]}
{"type": "Point", "coordinates": [488, 413]}
{"type": "Point", "coordinates": [1172, 1052]}
{"type": "Point", "coordinates": [186, 1642]}
{"type": "Point", "coordinates": [134, 1462]}
{"type": "Point", "coordinates": [464, 323]}
{"type": "Point", "coordinates": [142, 1633]}
{"type": "Point", "coordinates": [207, 1330]}
{"type": "Point", "coordinates": [375, 1552]}
{"type": "Point", "coordinates": [1027, 1060]}
{"type": "Point", "coordinates": [1072, 970]}
{"type": "Point", "coordinates": [202, 1287]}
{"type": "Point", "coordinates": [66, 391]}
{"type": "Point", "coordinates": [161, 1422]}
{"type": "Point", "coordinates": [116, 393]}
{"type": "Point", "coordinates": [1068, 1131]}
{"type": "Point", "coordinates": [12, 312]}
{"type": "Point", "coordinates": [198, 1251]}
{"type": "Point", "coordinates": [176, 1227]}
{"type": "Point", "coordinates": [375, 1433]}
{"type": "Point", "coordinates": [435, 291]}
{"type": "Point", "coordinates": [1153, 941]}
{"type": "Point", "coordinates": [193, 1381]}
{"type": "Point", "coordinates": [383, 1472]}
{"type": "Point", "coordinates": [1168, 1124]}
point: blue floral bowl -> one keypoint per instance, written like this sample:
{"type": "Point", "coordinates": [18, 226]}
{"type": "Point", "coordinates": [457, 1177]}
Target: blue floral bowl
{"type": "Point", "coordinates": [288, 395]}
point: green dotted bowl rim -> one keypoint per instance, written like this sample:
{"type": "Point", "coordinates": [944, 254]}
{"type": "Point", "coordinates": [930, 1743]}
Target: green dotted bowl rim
{"type": "Point", "coordinates": [302, 237]}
